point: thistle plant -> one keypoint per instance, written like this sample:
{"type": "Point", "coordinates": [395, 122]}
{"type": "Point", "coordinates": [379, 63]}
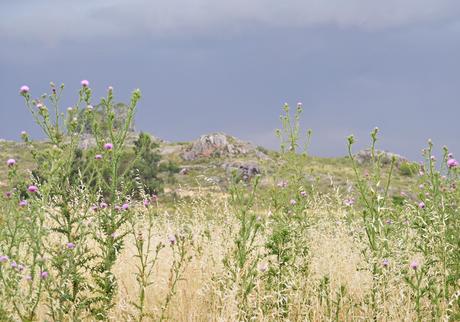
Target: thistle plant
{"type": "Point", "coordinates": [286, 244]}
{"type": "Point", "coordinates": [373, 196]}
{"type": "Point", "coordinates": [142, 228]}
{"type": "Point", "coordinates": [242, 261]}
{"type": "Point", "coordinates": [436, 222]}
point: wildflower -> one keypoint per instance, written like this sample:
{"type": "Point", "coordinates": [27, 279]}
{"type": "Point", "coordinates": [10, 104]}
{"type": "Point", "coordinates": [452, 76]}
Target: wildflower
{"type": "Point", "coordinates": [450, 156]}
{"type": "Point", "coordinates": [172, 239]}
{"type": "Point", "coordinates": [23, 133]}
{"type": "Point", "coordinates": [433, 158]}
{"type": "Point", "coordinates": [108, 146]}
{"type": "Point", "coordinates": [292, 202]}
{"type": "Point", "coordinates": [20, 267]}
{"type": "Point", "coordinates": [282, 184]}
{"type": "Point", "coordinates": [39, 106]}
{"type": "Point", "coordinates": [32, 189]}
{"type": "Point", "coordinates": [263, 267]}
{"type": "Point", "coordinates": [70, 245]}
{"type": "Point", "coordinates": [98, 157]}
{"type": "Point", "coordinates": [70, 109]}
{"type": "Point", "coordinates": [125, 206]}
{"type": "Point", "coordinates": [113, 235]}
{"type": "Point", "coordinates": [24, 89]}
{"type": "Point", "coordinates": [452, 163]}
{"type": "Point", "coordinates": [93, 208]}
{"type": "Point", "coordinates": [146, 202]}
{"type": "Point", "coordinates": [385, 263]}
{"type": "Point", "coordinates": [84, 83]}
{"type": "Point", "coordinates": [303, 193]}
{"type": "Point", "coordinates": [89, 107]}
{"type": "Point", "coordinates": [103, 205]}
{"type": "Point", "coordinates": [117, 208]}
{"type": "Point", "coordinates": [8, 194]}
{"type": "Point", "coordinates": [389, 222]}
{"type": "Point", "coordinates": [11, 162]}
{"type": "Point", "coordinates": [23, 203]}
{"type": "Point", "coordinates": [154, 198]}
{"type": "Point", "coordinates": [421, 205]}
{"type": "Point", "coordinates": [14, 264]}
{"type": "Point", "coordinates": [110, 88]}
{"type": "Point", "coordinates": [414, 265]}
{"type": "Point", "coordinates": [3, 258]}
{"type": "Point", "coordinates": [421, 186]}
{"type": "Point", "coordinates": [349, 202]}
{"type": "Point", "coordinates": [28, 278]}
{"type": "Point", "coordinates": [44, 275]}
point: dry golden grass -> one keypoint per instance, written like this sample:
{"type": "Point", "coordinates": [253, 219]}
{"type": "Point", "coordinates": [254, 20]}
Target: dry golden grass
{"type": "Point", "coordinates": [335, 253]}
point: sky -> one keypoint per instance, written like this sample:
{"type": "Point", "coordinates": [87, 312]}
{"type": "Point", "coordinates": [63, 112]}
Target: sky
{"type": "Point", "coordinates": [229, 66]}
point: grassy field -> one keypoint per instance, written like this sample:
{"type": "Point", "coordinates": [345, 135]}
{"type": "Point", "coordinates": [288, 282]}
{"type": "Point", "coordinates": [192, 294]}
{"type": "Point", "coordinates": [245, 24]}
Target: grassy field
{"type": "Point", "coordinates": [301, 239]}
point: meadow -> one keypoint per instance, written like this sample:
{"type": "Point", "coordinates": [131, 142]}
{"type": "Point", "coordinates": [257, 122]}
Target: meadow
{"type": "Point", "coordinates": [84, 238]}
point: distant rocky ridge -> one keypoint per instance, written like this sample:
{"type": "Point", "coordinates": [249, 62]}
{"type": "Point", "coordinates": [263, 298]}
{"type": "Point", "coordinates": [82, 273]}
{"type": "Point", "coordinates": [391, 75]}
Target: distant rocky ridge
{"type": "Point", "coordinates": [365, 156]}
{"type": "Point", "coordinates": [219, 144]}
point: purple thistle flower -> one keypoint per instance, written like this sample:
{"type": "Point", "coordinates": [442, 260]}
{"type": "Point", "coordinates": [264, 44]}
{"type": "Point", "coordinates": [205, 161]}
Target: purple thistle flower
{"type": "Point", "coordinates": [84, 83]}
{"type": "Point", "coordinates": [292, 202]}
{"type": "Point", "coordinates": [414, 265]}
{"type": "Point", "coordinates": [389, 222]}
{"type": "Point", "coordinates": [44, 275]}
{"type": "Point", "coordinates": [32, 189]}
{"type": "Point", "coordinates": [450, 155]}
{"type": "Point", "coordinates": [385, 263]}
{"type": "Point", "coordinates": [3, 258]}
{"type": "Point", "coordinates": [282, 184]}
{"type": "Point", "coordinates": [146, 202]}
{"type": "Point", "coordinates": [8, 194]}
{"type": "Point", "coordinates": [263, 267]}
{"type": "Point", "coordinates": [349, 202]}
{"type": "Point", "coordinates": [108, 146]}
{"type": "Point", "coordinates": [98, 157]}
{"type": "Point", "coordinates": [452, 163]}
{"type": "Point", "coordinates": [20, 267]}
{"type": "Point", "coordinates": [28, 278]}
{"type": "Point", "coordinates": [110, 88]}
{"type": "Point", "coordinates": [23, 203]}
{"type": "Point", "coordinates": [117, 208]}
{"type": "Point", "coordinates": [303, 193]}
{"type": "Point", "coordinates": [172, 239]}
{"type": "Point", "coordinates": [70, 245]}
{"type": "Point", "coordinates": [24, 89]}
{"type": "Point", "coordinates": [11, 162]}
{"type": "Point", "coordinates": [94, 208]}
{"type": "Point", "coordinates": [154, 198]}
{"type": "Point", "coordinates": [421, 205]}
{"type": "Point", "coordinates": [14, 264]}
{"type": "Point", "coordinates": [103, 205]}
{"type": "Point", "coordinates": [125, 206]}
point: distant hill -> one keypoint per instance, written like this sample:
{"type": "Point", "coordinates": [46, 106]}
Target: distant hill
{"type": "Point", "coordinates": [209, 160]}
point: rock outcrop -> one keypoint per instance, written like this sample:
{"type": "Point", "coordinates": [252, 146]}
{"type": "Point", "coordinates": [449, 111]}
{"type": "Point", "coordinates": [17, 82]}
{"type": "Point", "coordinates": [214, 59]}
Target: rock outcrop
{"type": "Point", "coordinates": [365, 156]}
{"type": "Point", "coordinates": [219, 144]}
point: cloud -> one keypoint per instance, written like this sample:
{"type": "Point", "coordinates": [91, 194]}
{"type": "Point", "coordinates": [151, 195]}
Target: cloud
{"type": "Point", "coordinates": [52, 20]}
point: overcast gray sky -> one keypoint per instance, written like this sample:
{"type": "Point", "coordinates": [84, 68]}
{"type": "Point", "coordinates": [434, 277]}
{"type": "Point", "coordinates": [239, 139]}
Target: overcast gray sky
{"type": "Point", "coordinates": [208, 65]}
